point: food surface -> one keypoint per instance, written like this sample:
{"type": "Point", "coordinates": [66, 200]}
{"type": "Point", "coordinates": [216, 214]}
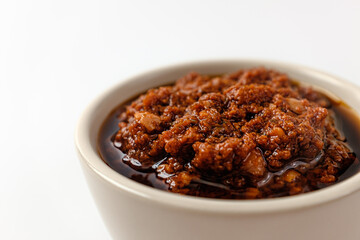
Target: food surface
{"type": "Point", "coordinates": [246, 135]}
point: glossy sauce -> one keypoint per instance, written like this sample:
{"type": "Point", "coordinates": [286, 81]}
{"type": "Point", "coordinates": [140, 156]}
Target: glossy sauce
{"type": "Point", "coordinates": [346, 121]}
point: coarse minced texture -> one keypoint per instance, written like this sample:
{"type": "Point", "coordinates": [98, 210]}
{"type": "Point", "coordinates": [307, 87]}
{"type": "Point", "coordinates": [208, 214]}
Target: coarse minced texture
{"type": "Point", "coordinates": [250, 134]}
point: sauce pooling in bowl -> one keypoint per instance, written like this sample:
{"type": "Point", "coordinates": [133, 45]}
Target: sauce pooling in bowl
{"type": "Point", "coordinates": [250, 134]}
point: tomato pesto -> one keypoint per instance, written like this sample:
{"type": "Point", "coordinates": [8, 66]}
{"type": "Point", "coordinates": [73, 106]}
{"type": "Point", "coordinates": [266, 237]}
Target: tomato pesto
{"type": "Point", "coordinates": [245, 135]}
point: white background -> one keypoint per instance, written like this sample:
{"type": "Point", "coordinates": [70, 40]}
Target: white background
{"type": "Point", "coordinates": [56, 56]}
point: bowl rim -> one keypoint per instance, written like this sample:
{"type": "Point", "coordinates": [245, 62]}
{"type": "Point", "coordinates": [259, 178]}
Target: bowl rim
{"type": "Point", "coordinates": [91, 158]}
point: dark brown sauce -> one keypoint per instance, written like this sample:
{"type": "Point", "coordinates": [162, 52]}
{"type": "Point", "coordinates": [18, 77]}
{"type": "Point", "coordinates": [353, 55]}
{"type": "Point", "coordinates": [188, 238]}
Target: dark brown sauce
{"type": "Point", "coordinates": [346, 121]}
{"type": "Point", "coordinates": [113, 156]}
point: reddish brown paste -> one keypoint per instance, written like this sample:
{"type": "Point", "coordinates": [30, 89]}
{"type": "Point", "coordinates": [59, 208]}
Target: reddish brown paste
{"type": "Point", "coordinates": [249, 134]}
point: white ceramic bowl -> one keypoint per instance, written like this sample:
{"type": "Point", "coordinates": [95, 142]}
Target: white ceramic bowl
{"type": "Point", "coordinates": [135, 211]}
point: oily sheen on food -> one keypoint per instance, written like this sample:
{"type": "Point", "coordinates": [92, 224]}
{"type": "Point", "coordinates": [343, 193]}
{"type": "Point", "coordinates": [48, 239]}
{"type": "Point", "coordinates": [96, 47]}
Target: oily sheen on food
{"type": "Point", "coordinates": [250, 134]}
